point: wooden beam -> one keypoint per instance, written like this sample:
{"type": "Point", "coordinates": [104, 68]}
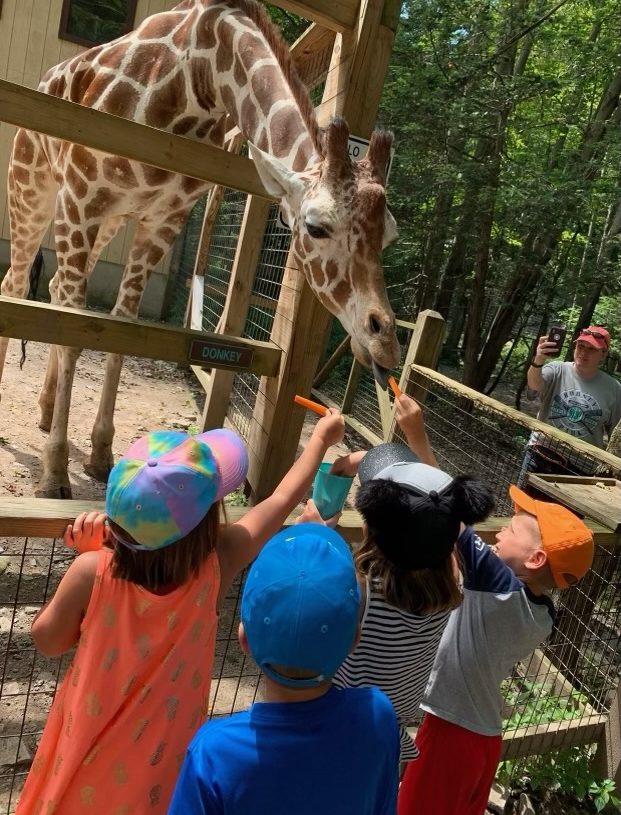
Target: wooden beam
{"type": "Point", "coordinates": [329, 364]}
{"type": "Point", "coordinates": [311, 54]}
{"type": "Point", "coordinates": [48, 517]}
{"type": "Point", "coordinates": [543, 738]}
{"type": "Point", "coordinates": [41, 322]}
{"type": "Point", "coordinates": [61, 119]}
{"type": "Point", "coordinates": [521, 418]}
{"type": "Point", "coordinates": [337, 15]}
{"type": "Point", "coordinates": [362, 430]}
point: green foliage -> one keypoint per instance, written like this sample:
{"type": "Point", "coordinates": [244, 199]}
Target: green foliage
{"type": "Point", "coordinates": [236, 498]}
{"type": "Point", "coordinates": [495, 102]}
{"type": "Point", "coordinates": [567, 770]}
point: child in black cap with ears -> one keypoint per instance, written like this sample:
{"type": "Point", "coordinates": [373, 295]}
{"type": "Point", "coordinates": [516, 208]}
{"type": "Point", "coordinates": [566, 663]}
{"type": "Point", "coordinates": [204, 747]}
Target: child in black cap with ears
{"type": "Point", "coordinates": [407, 569]}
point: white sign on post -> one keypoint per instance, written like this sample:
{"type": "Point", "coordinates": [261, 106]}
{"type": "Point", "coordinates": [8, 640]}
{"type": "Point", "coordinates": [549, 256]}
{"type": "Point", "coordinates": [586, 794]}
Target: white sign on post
{"type": "Point", "coordinates": [356, 148]}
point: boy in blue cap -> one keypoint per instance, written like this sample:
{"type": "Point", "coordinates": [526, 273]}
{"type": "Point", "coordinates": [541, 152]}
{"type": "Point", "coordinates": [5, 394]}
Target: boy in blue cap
{"type": "Point", "coordinates": [309, 747]}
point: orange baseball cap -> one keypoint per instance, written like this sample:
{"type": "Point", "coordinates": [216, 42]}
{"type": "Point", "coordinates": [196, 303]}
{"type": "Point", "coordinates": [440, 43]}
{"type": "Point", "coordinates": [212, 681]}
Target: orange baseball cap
{"type": "Point", "coordinates": [566, 540]}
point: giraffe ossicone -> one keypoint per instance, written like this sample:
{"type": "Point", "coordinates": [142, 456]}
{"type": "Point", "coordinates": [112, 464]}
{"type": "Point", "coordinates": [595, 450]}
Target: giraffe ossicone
{"type": "Point", "coordinates": [193, 71]}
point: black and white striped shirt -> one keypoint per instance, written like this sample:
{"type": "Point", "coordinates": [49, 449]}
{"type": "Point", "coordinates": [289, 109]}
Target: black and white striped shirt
{"type": "Point", "coordinates": [395, 653]}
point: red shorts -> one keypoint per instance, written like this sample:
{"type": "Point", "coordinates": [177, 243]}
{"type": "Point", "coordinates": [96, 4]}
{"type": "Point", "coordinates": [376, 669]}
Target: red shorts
{"type": "Point", "coordinates": [454, 772]}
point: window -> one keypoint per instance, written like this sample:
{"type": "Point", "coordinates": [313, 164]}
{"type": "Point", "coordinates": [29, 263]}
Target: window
{"type": "Point", "coordinates": [91, 22]}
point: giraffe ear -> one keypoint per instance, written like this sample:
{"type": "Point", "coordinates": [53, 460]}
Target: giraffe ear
{"type": "Point", "coordinates": [278, 180]}
{"type": "Point", "coordinates": [390, 229]}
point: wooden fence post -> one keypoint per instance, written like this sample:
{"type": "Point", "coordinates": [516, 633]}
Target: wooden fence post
{"type": "Point", "coordinates": [424, 349]}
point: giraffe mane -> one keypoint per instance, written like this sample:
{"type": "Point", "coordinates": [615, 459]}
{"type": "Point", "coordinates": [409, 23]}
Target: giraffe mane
{"type": "Point", "coordinates": [259, 16]}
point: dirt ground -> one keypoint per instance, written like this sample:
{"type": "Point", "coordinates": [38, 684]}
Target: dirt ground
{"type": "Point", "coordinates": [152, 395]}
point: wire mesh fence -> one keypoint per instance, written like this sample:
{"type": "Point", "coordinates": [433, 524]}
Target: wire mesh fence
{"type": "Point", "coordinates": [263, 302]}
{"type": "Point", "coordinates": [31, 569]}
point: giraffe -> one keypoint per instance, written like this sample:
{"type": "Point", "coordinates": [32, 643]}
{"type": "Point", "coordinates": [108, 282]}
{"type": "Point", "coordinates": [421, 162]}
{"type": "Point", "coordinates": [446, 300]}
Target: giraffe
{"type": "Point", "coordinates": [190, 71]}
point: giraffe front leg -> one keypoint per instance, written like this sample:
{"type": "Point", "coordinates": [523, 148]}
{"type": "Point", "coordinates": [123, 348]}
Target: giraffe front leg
{"type": "Point", "coordinates": [47, 396]}
{"type": "Point", "coordinates": [55, 480]}
{"type": "Point", "coordinates": [102, 459]}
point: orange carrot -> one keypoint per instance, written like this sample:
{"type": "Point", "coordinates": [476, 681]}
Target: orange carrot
{"type": "Point", "coordinates": [394, 387]}
{"type": "Point", "coordinates": [320, 409]}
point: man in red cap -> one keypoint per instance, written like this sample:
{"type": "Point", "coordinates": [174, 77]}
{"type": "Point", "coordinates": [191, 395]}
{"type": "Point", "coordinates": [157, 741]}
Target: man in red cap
{"type": "Point", "coordinates": [577, 397]}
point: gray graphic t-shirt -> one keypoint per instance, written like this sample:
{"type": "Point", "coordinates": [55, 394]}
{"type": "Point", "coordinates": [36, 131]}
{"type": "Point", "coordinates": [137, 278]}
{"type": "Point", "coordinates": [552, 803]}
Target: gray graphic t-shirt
{"type": "Point", "coordinates": [580, 407]}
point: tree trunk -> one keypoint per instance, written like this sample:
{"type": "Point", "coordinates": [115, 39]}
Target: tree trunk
{"type": "Point", "coordinates": [537, 249]}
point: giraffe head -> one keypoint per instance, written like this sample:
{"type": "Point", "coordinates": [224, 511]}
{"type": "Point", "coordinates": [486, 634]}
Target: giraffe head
{"type": "Point", "coordinates": [340, 224]}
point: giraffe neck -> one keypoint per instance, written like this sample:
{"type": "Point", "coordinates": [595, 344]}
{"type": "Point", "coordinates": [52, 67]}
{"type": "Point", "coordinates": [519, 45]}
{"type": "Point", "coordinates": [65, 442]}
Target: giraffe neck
{"type": "Point", "coordinates": [254, 81]}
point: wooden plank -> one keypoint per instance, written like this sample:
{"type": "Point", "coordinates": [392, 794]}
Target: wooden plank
{"type": "Point", "coordinates": [202, 376]}
{"type": "Point", "coordinates": [197, 296]}
{"type": "Point", "coordinates": [337, 15]}
{"type": "Point", "coordinates": [543, 738]}
{"type": "Point", "coordinates": [311, 53]}
{"type": "Point", "coordinates": [598, 498]}
{"type": "Point", "coordinates": [425, 344]}
{"type": "Point", "coordinates": [601, 456]}
{"type": "Point", "coordinates": [385, 409]}
{"type": "Point", "coordinates": [48, 517]}
{"type": "Point", "coordinates": [112, 134]}
{"type": "Point", "coordinates": [42, 322]}
{"type": "Point", "coordinates": [351, 388]}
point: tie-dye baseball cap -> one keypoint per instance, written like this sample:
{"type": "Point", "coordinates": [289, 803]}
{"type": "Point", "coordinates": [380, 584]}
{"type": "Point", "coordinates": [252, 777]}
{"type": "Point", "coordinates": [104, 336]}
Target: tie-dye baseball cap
{"type": "Point", "coordinates": [166, 482]}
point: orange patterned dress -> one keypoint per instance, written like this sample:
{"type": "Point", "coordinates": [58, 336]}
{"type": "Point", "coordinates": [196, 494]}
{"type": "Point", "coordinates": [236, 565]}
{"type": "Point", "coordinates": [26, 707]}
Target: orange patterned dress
{"type": "Point", "coordinates": [130, 702]}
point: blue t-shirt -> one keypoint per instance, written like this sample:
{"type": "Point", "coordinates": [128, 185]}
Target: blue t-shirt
{"type": "Point", "coordinates": [334, 755]}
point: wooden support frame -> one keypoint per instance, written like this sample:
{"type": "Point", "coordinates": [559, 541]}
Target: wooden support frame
{"type": "Point", "coordinates": [41, 322]}
{"type": "Point", "coordinates": [92, 128]}
{"type": "Point", "coordinates": [337, 15]}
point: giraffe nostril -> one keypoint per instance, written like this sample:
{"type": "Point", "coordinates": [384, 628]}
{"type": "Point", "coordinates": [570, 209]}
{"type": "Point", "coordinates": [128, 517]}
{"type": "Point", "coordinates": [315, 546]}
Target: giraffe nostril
{"type": "Point", "coordinates": [375, 326]}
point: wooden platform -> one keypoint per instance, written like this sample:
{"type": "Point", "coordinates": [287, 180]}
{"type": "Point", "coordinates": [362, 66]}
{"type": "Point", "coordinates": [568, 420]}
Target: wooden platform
{"type": "Point", "coordinates": [598, 498]}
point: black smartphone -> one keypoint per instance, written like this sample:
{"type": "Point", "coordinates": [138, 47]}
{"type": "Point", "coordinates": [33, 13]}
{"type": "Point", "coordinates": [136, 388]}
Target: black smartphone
{"type": "Point", "coordinates": [557, 334]}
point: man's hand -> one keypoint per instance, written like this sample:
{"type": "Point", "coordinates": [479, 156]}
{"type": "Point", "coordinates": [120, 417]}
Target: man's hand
{"type": "Point", "coordinates": [87, 533]}
{"type": "Point", "coordinates": [545, 349]}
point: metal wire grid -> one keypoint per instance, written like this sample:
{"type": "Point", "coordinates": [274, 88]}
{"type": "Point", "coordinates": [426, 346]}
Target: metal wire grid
{"type": "Point", "coordinates": [572, 679]}
{"type": "Point", "coordinates": [224, 238]}
{"type": "Point", "coordinates": [182, 265]}
{"type": "Point", "coordinates": [28, 681]}
{"type": "Point", "coordinates": [365, 407]}
{"type": "Point", "coordinates": [263, 302]}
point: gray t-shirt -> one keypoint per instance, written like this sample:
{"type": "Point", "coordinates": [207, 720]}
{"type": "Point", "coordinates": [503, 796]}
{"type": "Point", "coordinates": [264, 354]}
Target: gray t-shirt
{"type": "Point", "coordinates": [584, 408]}
{"type": "Point", "coordinates": [498, 624]}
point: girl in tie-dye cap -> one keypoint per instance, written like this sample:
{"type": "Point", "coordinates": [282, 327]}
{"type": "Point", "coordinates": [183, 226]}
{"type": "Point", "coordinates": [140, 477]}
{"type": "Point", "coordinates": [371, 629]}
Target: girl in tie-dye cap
{"type": "Point", "coordinates": [141, 603]}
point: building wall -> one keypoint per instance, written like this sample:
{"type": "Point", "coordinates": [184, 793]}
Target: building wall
{"type": "Point", "coordinates": [29, 45]}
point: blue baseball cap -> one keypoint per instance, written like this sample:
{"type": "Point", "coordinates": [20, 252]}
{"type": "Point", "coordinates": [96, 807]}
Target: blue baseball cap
{"type": "Point", "coordinates": [300, 605]}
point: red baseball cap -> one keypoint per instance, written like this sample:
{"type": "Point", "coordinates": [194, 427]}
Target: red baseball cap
{"type": "Point", "coordinates": [566, 540]}
{"type": "Point", "coordinates": [596, 336]}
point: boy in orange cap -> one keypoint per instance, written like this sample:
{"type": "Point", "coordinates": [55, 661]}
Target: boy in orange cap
{"type": "Point", "coordinates": [506, 613]}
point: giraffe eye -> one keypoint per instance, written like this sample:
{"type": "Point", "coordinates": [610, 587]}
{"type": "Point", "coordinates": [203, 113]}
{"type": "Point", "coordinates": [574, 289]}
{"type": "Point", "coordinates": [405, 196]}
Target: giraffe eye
{"type": "Point", "coordinates": [318, 232]}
